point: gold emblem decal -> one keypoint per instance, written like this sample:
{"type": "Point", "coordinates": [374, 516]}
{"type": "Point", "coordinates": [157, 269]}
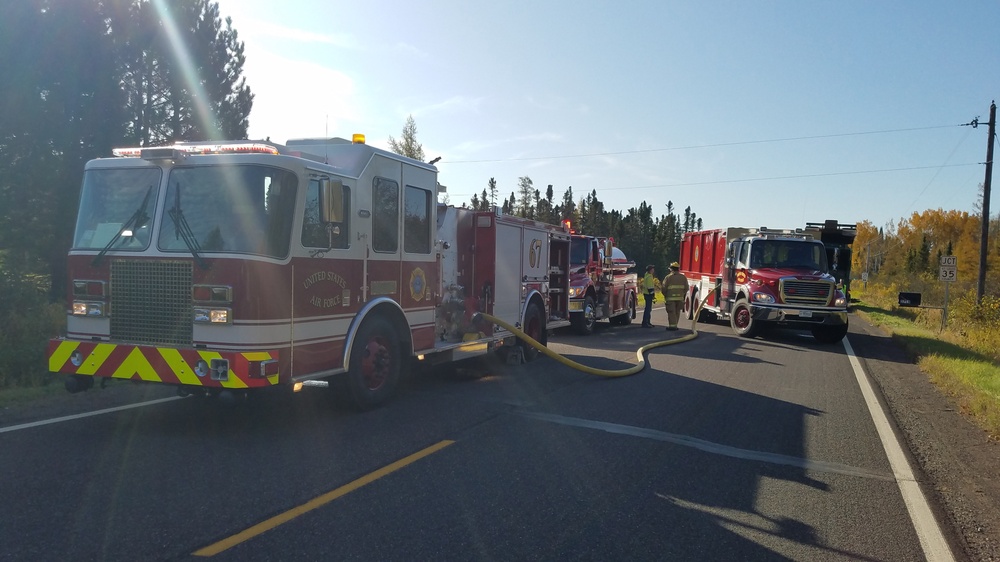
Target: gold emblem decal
{"type": "Point", "coordinates": [418, 284]}
{"type": "Point", "coordinates": [741, 276]}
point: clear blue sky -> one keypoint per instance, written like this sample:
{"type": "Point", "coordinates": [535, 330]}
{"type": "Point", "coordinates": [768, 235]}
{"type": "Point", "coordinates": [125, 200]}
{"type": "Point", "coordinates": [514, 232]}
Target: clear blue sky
{"type": "Point", "coordinates": [751, 113]}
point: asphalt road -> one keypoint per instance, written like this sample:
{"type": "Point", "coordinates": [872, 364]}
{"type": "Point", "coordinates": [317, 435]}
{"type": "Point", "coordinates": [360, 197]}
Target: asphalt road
{"type": "Point", "coordinates": [722, 449]}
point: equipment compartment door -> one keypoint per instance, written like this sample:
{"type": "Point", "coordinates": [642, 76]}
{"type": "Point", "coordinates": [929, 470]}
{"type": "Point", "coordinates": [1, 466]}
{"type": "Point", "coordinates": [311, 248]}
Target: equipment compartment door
{"type": "Point", "coordinates": [509, 251]}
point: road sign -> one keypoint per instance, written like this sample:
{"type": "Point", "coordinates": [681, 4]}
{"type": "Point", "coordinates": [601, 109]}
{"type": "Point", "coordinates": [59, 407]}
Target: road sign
{"type": "Point", "coordinates": [948, 271]}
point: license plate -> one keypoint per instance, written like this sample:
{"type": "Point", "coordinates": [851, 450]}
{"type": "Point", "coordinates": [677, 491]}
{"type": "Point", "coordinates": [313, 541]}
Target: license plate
{"type": "Point", "coordinates": [805, 314]}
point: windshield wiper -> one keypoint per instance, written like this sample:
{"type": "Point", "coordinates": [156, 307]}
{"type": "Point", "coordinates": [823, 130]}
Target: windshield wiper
{"type": "Point", "coordinates": [137, 220]}
{"type": "Point", "coordinates": [183, 230]}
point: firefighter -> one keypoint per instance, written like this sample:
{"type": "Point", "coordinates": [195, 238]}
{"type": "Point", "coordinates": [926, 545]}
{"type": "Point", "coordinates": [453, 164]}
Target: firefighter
{"type": "Point", "coordinates": [649, 293]}
{"type": "Point", "coordinates": [674, 287]}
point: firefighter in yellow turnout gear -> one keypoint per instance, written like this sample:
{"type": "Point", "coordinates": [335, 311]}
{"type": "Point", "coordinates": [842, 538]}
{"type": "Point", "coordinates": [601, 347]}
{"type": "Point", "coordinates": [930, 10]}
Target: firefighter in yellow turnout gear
{"type": "Point", "coordinates": [674, 287]}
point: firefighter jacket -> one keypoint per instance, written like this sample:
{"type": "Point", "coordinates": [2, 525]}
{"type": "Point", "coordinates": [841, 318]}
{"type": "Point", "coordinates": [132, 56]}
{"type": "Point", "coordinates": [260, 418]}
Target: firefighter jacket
{"type": "Point", "coordinates": [674, 287]}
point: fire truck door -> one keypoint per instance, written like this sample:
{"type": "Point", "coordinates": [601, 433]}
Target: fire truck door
{"type": "Point", "coordinates": [382, 260]}
{"type": "Point", "coordinates": [729, 267]}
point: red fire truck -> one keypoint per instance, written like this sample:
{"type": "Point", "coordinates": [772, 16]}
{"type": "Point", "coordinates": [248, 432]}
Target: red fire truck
{"type": "Point", "coordinates": [600, 283]}
{"type": "Point", "coordinates": [244, 265]}
{"type": "Point", "coordinates": [759, 277]}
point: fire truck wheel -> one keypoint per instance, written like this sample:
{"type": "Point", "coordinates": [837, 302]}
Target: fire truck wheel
{"type": "Point", "coordinates": [584, 323]}
{"type": "Point", "coordinates": [626, 317]}
{"type": "Point", "coordinates": [689, 305]}
{"type": "Point", "coordinates": [742, 321]}
{"type": "Point", "coordinates": [829, 334]}
{"type": "Point", "coordinates": [534, 326]}
{"type": "Point", "coordinates": [374, 369]}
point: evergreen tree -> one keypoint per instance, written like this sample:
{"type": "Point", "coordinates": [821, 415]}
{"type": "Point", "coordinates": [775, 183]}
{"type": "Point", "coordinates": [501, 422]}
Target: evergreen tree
{"type": "Point", "coordinates": [492, 186]}
{"type": "Point", "coordinates": [525, 192]}
{"type": "Point", "coordinates": [187, 85]}
{"type": "Point", "coordinates": [407, 145]}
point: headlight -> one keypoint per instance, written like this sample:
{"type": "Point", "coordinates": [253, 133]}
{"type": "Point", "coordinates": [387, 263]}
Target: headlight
{"type": "Point", "coordinates": [840, 301]}
{"type": "Point", "coordinates": [763, 297]}
{"type": "Point", "coordinates": [575, 292]}
{"type": "Point", "coordinates": [92, 309]}
{"type": "Point", "coordinates": [212, 315]}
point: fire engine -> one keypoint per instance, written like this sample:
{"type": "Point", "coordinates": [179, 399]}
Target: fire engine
{"type": "Point", "coordinates": [600, 283]}
{"type": "Point", "coordinates": [759, 277]}
{"type": "Point", "coordinates": [244, 265]}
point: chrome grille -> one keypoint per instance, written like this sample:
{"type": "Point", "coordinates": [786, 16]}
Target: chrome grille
{"type": "Point", "coordinates": [151, 302]}
{"type": "Point", "coordinates": [794, 291]}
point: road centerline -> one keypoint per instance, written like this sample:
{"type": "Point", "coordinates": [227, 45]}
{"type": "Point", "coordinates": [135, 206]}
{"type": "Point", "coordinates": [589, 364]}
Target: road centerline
{"type": "Point", "coordinates": [319, 501]}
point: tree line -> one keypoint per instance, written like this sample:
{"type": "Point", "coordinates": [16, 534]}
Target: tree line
{"type": "Point", "coordinates": [79, 78]}
{"type": "Point", "coordinates": [908, 253]}
{"type": "Point", "coordinates": [646, 239]}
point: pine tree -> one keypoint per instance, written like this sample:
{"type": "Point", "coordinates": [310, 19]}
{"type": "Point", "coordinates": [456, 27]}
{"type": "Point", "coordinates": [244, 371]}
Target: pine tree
{"type": "Point", "coordinates": [407, 145]}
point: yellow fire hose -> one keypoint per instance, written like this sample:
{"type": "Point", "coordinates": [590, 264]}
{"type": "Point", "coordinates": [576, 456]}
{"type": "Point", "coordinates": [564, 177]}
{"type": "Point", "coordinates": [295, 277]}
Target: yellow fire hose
{"type": "Point", "coordinates": [640, 353]}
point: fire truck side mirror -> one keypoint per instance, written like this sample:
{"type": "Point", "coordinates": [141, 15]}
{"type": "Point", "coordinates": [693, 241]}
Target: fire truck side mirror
{"type": "Point", "coordinates": [331, 200]}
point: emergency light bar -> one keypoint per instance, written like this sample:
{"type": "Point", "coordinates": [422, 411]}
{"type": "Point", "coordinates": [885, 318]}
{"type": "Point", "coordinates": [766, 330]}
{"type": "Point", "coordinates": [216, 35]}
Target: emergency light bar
{"type": "Point", "coordinates": [178, 151]}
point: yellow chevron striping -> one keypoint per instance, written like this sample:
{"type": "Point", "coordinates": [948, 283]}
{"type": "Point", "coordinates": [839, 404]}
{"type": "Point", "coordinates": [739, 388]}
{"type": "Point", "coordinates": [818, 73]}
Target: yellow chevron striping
{"type": "Point", "coordinates": [93, 362]}
{"type": "Point", "coordinates": [61, 355]}
{"type": "Point", "coordinates": [136, 364]}
{"type": "Point", "coordinates": [184, 372]}
{"type": "Point", "coordinates": [234, 381]}
{"type": "Point", "coordinates": [257, 356]}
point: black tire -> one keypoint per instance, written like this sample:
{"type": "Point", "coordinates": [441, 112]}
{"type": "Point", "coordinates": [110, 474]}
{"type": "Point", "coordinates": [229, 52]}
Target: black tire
{"type": "Point", "coordinates": [375, 364]}
{"type": "Point", "coordinates": [584, 322]}
{"type": "Point", "coordinates": [630, 316]}
{"type": "Point", "coordinates": [742, 320]}
{"type": "Point", "coordinates": [829, 334]}
{"type": "Point", "coordinates": [534, 327]}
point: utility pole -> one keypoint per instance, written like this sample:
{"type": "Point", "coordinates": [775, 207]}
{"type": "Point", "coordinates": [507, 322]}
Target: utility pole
{"type": "Point", "coordinates": [984, 243]}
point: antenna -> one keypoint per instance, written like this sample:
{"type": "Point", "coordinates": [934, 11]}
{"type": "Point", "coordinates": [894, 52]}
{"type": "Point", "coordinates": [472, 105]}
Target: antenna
{"type": "Point", "coordinates": [326, 142]}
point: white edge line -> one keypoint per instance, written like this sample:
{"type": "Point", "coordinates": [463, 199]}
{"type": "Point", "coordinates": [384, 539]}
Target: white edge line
{"type": "Point", "coordinates": [932, 540]}
{"type": "Point", "coordinates": [86, 414]}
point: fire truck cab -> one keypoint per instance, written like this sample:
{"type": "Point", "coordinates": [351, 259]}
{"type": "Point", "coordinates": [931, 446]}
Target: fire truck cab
{"type": "Point", "coordinates": [601, 285]}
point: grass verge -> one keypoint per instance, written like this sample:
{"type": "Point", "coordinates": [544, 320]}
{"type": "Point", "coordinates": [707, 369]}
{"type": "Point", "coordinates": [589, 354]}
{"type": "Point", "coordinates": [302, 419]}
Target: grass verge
{"type": "Point", "coordinates": [970, 378]}
{"type": "Point", "coordinates": [18, 395]}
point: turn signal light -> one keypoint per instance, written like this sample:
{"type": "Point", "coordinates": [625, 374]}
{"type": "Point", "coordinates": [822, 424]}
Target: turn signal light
{"type": "Point", "coordinates": [212, 293]}
{"type": "Point", "coordinates": [83, 288]}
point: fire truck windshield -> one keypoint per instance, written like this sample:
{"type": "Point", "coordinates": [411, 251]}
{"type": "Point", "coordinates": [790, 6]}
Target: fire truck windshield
{"type": "Point", "coordinates": [579, 251]}
{"type": "Point", "coordinates": [228, 209]}
{"type": "Point", "coordinates": [792, 254]}
{"type": "Point", "coordinates": [115, 208]}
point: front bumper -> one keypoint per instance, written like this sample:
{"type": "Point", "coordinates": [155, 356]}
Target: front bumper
{"type": "Point", "coordinates": [166, 365]}
{"type": "Point", "coordinates": [792, 316]}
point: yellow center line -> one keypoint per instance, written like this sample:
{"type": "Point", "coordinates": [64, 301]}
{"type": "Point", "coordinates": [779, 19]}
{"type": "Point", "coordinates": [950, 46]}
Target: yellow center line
{"type": "Point", "coordinates": [264, 526]}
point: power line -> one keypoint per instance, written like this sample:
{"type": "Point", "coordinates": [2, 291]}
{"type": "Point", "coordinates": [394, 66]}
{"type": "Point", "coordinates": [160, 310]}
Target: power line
{"type": "Point", "coordinates": [697, 146]}
{"type": "Point", "coordinates": [774, 178]}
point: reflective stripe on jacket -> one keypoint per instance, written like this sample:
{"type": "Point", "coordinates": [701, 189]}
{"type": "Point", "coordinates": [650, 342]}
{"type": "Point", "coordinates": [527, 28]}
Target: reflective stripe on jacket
{"type": "Point", "coordinates": [674, 286]}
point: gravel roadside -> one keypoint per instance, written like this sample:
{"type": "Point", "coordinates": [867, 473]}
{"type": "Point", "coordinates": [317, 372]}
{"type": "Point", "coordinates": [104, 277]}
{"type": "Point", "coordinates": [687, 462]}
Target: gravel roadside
{"type": "Point", "coordinates": [955, 460]}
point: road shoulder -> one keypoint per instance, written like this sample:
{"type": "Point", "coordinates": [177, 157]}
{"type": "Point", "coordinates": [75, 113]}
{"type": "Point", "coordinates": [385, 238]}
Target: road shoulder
{"type": "Point", "coordinates": [957, 460]}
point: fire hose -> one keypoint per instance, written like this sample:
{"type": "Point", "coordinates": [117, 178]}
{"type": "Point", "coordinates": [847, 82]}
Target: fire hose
{"type": "Point", "coordinates": [640, 353]}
